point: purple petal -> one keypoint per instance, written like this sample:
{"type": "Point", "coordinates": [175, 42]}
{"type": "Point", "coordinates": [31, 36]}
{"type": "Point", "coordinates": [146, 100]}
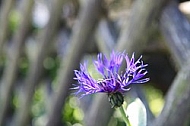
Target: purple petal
{"type": "Point", "coordinates": [113, 80]}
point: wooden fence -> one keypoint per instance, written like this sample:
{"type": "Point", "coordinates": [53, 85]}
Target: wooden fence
{"type": "Point", "coordinates": [74, 29]}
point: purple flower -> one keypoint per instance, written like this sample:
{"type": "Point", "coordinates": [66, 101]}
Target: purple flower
{"type": "Point", "coordinates": [112, 81]}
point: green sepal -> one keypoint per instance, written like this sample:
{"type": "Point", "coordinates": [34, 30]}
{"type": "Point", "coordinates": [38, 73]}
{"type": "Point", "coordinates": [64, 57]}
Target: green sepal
{"type": "Point", "coordinates": [116, 99]}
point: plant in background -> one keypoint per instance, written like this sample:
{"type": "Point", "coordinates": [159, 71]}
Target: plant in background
{"type": "Point", "coordinates": [113, 82]}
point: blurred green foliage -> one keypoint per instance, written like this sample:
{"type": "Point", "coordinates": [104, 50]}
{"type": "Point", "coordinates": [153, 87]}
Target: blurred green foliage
{"type": "Point", "coordinates": [14, 19]}
{"type": "Point", "coordinates": [51, 64]}
{"type": "Point", "coordinates": [39, 109]}
{"type": "Point", "coordinates": [155, 99]}
{"type": "Point", "coordinates": [38, 105]}
{"type": "Point", "coordinates": [72, 113]}
{"type": "Point", "coordinates": [23, 66]}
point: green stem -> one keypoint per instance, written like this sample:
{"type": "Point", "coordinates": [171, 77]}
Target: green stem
{"type": "Point", "coordinates": [124, 116]}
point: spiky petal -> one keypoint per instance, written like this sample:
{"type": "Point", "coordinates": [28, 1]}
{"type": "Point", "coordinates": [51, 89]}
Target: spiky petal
{"type": "Point", "coordinates": [112, 80]}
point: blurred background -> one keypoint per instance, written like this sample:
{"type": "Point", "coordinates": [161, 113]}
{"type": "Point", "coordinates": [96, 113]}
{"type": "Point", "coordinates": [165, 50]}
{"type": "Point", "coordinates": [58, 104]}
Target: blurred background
{"type": "Point", "coordinates": [43, 41]}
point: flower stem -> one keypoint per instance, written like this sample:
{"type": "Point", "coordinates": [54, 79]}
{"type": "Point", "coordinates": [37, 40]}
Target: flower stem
{"type": "Point", "coordinates": [124, 116]}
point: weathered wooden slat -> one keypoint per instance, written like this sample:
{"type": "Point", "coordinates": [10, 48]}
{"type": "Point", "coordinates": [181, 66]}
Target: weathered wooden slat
{"type": "Point", "coordinates": [176, 30]}
{"type": "Point", "coordinates": [135, 34]}
{"type": "Point", "coordinates": [84, 27]}
{"type": "Point", "coordinates": [4, 19]}
{"type": "Point", "coordinates": [177, 104]}
{"type": "Point", "coordinates": [35, 70]}
{"type": "Point", "coordinates": [104, 39]}
{"type": "Point", "coordinates": [13, 55]}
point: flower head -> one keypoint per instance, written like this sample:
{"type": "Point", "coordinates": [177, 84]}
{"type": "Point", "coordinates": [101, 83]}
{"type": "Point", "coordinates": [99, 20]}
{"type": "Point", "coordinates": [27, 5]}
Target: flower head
{"type": "Point", "coordinates": [113, 81]}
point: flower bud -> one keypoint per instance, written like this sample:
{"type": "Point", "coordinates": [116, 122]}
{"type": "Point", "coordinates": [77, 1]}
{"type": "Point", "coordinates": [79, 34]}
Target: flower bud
{"type": "Point", "coordinates": [116, 99]}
